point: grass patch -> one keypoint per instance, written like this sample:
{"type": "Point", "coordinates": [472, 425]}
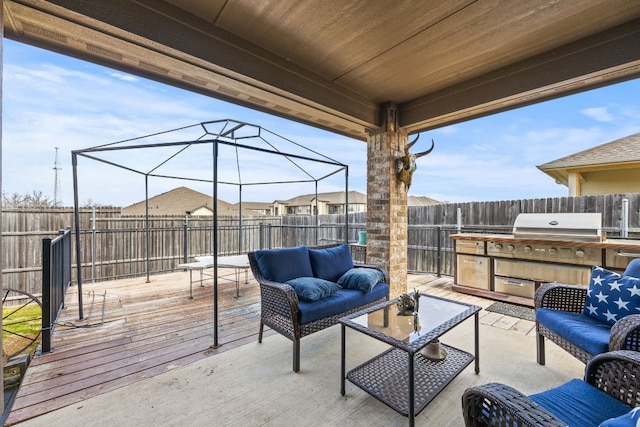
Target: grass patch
{"type": "Point", "coordinates": [21, 326]}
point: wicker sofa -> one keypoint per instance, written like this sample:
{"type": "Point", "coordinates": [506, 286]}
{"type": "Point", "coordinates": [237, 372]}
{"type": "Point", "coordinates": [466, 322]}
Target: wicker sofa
{"type": "Point", "coordinates": [562, 317]}
{"type": "Point", "coordinates": [609, 390]}
{"type": "Point", "coordinates": [291, 309]}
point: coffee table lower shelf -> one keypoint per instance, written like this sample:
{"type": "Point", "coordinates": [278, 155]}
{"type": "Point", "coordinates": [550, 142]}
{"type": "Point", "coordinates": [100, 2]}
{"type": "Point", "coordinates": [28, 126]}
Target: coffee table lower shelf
{"type": "Point", "coordinates": [386, 377]}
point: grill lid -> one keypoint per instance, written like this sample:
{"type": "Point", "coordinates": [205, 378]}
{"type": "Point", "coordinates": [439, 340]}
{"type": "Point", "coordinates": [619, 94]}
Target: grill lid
{"type": "Point", "coordinates": [584, 227]}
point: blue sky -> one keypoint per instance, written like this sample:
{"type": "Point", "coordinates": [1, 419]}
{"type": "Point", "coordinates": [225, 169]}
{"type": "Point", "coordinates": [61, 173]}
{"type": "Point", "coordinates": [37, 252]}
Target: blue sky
{"type": "Point", "coordinates": [55, 101]}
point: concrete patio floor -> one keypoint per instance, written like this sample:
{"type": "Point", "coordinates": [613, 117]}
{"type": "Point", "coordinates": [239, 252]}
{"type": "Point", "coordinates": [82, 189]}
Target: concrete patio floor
{"type": "Point", "coordinates": [247, 383]}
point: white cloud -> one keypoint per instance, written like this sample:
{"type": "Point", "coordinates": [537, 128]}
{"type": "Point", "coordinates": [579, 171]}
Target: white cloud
{"type": "Point", "coordinates": [599, 114]}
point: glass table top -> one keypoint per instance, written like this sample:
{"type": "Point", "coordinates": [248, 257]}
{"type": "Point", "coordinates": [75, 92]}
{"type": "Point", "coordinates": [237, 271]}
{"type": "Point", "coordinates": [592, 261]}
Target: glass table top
{"type": "Point", "coordinates": [431, 319]}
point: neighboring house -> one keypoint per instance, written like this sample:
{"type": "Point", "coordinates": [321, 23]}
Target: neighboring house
{"type": "Point", "coordinates": [609, 168]}
{"type": "Point", "coordinates": [328, 203]}
{"type": "Point", "coordinates": [333, 203]}
{"type": "Point", "coordinates": [254, 208]}
{"type": "Point", "coordinates": [421, 201]}
{"type": "Point", "coordinates": [180, 201]}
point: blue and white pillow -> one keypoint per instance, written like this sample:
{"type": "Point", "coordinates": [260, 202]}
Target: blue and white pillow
{"type": "Point", "coordinates": [630, 419]}
{"type": "Point", "coordinates": [610, 296]}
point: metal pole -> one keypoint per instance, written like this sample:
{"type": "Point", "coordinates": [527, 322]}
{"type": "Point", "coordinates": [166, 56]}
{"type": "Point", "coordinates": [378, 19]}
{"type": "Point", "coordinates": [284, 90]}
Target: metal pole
{"type": "Point", "coordinates": [624, 232]}
{"type": "Point", "coordinates": [240, 221]}
{"type": "Point", "coordinates": [185, 255]}
{"type": "Point", "coordinates": [147, 230]}
{"type": "Point", "coordinates": [346, 204]}
{"type": "Point", "coordinates": [76, 214]}
{"type": "Point", "coordinates": [215, 244]}
{"type": "Point", "coordinates": [46, 295]}
{"type": "Point", "coordinates": [93, 244]}
{"type": "Point", "coordinates": [459, 220]}
{"type": "Point", "coordinates": [439, 253]}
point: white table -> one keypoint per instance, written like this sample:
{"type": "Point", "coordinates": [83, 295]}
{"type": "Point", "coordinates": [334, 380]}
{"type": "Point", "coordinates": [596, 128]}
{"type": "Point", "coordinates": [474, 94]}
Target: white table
{"type": "Point", "coordinates": [202, 263]}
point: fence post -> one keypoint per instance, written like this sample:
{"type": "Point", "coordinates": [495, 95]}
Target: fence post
{"type": "Point", "coordinates": [439, 251]}
{"type": "Point", "coordinates": [260, 236]}
{"type": "Point", "coordinates": [46, 294]}
{"type": "Point", "coordinates": [185, 226]}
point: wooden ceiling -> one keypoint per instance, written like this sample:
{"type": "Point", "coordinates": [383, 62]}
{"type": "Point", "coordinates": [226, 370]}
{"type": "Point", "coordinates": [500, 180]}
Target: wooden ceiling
{"type": "Point", "coordinates": [334, 64]}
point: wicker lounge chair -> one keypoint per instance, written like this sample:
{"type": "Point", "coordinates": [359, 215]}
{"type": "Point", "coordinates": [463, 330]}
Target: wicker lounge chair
{"type": "Point", "coordinates": [565, 305]}
{"type": "Point", "coordinates": [611, 388]}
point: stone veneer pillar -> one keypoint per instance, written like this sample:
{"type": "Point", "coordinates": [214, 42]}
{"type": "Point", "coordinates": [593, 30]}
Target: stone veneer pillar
{"type": "Point", "coordinates": [387, 201]}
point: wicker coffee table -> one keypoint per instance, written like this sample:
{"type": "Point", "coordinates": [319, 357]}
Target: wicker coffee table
{"type": "Point", "coordinates": [402, 377]}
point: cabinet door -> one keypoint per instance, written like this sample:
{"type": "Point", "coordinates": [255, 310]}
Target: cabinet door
{"type": "Point", "coordinates": [473, 271]}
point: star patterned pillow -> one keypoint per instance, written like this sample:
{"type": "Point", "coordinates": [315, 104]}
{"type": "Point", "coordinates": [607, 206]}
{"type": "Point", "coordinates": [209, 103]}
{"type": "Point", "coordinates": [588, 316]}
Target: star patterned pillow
{"type": "Point", "coordinates": [611, 296]}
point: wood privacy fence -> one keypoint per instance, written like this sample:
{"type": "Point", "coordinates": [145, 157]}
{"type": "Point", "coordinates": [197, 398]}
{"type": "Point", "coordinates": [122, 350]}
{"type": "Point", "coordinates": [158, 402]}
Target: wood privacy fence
{"type": "Point", "coordinates": [113, 246]}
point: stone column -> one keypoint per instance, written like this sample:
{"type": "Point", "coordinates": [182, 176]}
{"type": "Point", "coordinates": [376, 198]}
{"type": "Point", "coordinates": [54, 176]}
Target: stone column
{"type": "Point", "coordinates": [387, 201]}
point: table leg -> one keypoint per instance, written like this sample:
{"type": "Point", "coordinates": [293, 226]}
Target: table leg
{"type": "Point", "coordinates": [477, 343]}
{"type": "Point", "coordinates": [237, 274]}
{"type": "Point", "coordinates": [342, 364]}
{"type": "Point", "coordinates": [411, 412]}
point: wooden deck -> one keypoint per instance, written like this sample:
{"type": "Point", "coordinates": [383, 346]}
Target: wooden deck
{"type": "Point", "coordinates": [135, 329]}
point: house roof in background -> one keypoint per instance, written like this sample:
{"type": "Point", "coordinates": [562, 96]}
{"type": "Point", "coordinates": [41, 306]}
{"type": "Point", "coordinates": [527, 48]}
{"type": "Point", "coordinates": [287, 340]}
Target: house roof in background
{"type": "Point", "coordinates": [421, 201]}
{"type": "Point", "coordinates": [622, 153]}
{"type": "Point", "coordinates": [177, 202]}
{"type": "Point", "coordinates": [623, 150]}
{"type": "Point", "coordinates": [336, 197]}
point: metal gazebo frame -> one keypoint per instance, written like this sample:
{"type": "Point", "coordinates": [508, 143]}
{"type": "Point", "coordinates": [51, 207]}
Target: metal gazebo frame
{"type": "Point", "coordinates": [225, 132]}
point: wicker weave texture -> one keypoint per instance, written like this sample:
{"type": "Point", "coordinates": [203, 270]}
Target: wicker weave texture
{"type": "Point", "coordinates": [616, 373]}
{"type": "Point", "coordinates": [386, 377]}
{"type": "Point", "coordinates": [625, 334]}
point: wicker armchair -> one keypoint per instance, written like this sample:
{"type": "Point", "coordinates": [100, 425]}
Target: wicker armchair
{"type": "Point", "coordinates": [617, 374]}
{"type": "Point", "coordinates": [280, 308]}
{"type": "Point", "coordinates": [624, 335]}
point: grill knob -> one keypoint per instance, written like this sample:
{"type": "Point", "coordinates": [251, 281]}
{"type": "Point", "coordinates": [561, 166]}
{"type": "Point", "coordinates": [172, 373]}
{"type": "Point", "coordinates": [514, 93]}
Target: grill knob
{"type": "Point", "coordinates": [527, 248]}
{"type": "Point", "coordinates": [579, 253]}
{"type": "Point", "coordinates": [553, 251]}
{"type": "Point", "coordinates": [498, 246]}
{"type": "Point", "coordinates": [510, 248]}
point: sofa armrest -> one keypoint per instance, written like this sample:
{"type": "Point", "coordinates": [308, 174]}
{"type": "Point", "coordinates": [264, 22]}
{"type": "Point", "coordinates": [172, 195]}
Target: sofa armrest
{"type": "Point", "coordinates": [500, 405]}
{"type": "Point", "coordinates": [559, 296]}
{"type": "Point", "coordinates": [625, 334]}
{"type": "Point", "coordinates": [616, 373]}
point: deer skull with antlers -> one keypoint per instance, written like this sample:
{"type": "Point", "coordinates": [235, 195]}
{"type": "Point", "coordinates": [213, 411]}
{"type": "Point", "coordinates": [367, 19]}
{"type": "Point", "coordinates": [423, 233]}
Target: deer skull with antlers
{"type": "Point", "coordinates": [406, 164]}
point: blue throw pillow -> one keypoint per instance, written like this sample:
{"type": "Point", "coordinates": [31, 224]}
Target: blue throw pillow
{"type": "Point", "coordinates": [280, 265]}
{"type": "Point", "coordinates": [361, 278]}
{"type": "Point", "coordinates": [331, 263]}
{"type": "Point", "coordinates": [633, 269]}
{"type": "Point", "coordinates": [611, 296]}
{"type": "Point", "coordinates": [630, 419]}
{"type": "Point", "coordinates": [312, 289]}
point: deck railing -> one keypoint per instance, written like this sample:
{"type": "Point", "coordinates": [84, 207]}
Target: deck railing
{"type": "Point", "coordinates": [56, 277]}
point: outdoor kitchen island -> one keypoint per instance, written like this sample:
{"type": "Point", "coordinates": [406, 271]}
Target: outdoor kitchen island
{"type": "Point", "coordinates": [507, 268]}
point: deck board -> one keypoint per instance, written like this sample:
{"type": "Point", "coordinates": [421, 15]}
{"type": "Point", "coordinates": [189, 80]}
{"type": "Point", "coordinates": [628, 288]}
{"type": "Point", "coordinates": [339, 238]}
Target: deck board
{"type": "Point", "coordinates": [147, 329]}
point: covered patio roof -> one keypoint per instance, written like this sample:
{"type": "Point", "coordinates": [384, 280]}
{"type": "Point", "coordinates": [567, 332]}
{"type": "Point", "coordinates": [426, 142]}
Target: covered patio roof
{"type": "Point", "coordinates": [334, 65]}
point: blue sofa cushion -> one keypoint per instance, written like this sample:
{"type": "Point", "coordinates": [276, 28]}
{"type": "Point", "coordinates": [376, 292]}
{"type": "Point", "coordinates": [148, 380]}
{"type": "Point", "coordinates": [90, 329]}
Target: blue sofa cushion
{"type": "Point", "coordinates": [586, 332]}
{"type": "Point", "coordinates": [331, 263]}
{"type": "Point", "coordinates": [280, 265]}
{"type": "Point", "coordinates": [341, 301]}
{"type": "Point", "coordinates": [361, 278]}
{"type": "Point", "coordinates": [630, 419]}
{"type": "Point", "coordinates": [610, 296]}
{"type": "Point", "coordinates": [312, 288]}
{"type": "Point", "coordinates": [579, 404]}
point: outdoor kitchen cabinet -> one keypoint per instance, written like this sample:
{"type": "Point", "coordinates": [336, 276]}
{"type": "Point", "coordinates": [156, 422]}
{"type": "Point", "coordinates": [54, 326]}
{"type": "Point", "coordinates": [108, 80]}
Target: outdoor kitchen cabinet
{"type": "Point", "coordinates": [503, 267]}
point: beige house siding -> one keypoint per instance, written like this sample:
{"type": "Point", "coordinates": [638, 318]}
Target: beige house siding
{"type": "Point", "coordinates": [610, 182]}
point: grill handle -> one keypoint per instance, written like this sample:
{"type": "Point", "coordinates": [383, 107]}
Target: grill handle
{"type": "Point", "coordinates": [629, 254]}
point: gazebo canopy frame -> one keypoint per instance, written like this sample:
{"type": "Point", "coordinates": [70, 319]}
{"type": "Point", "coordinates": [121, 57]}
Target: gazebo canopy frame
{"type": "Point", "coordinates": [217, 134]}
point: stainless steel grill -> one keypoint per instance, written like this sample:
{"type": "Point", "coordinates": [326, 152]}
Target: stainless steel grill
{"type": "Point", "coordinates": [583, 227]}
